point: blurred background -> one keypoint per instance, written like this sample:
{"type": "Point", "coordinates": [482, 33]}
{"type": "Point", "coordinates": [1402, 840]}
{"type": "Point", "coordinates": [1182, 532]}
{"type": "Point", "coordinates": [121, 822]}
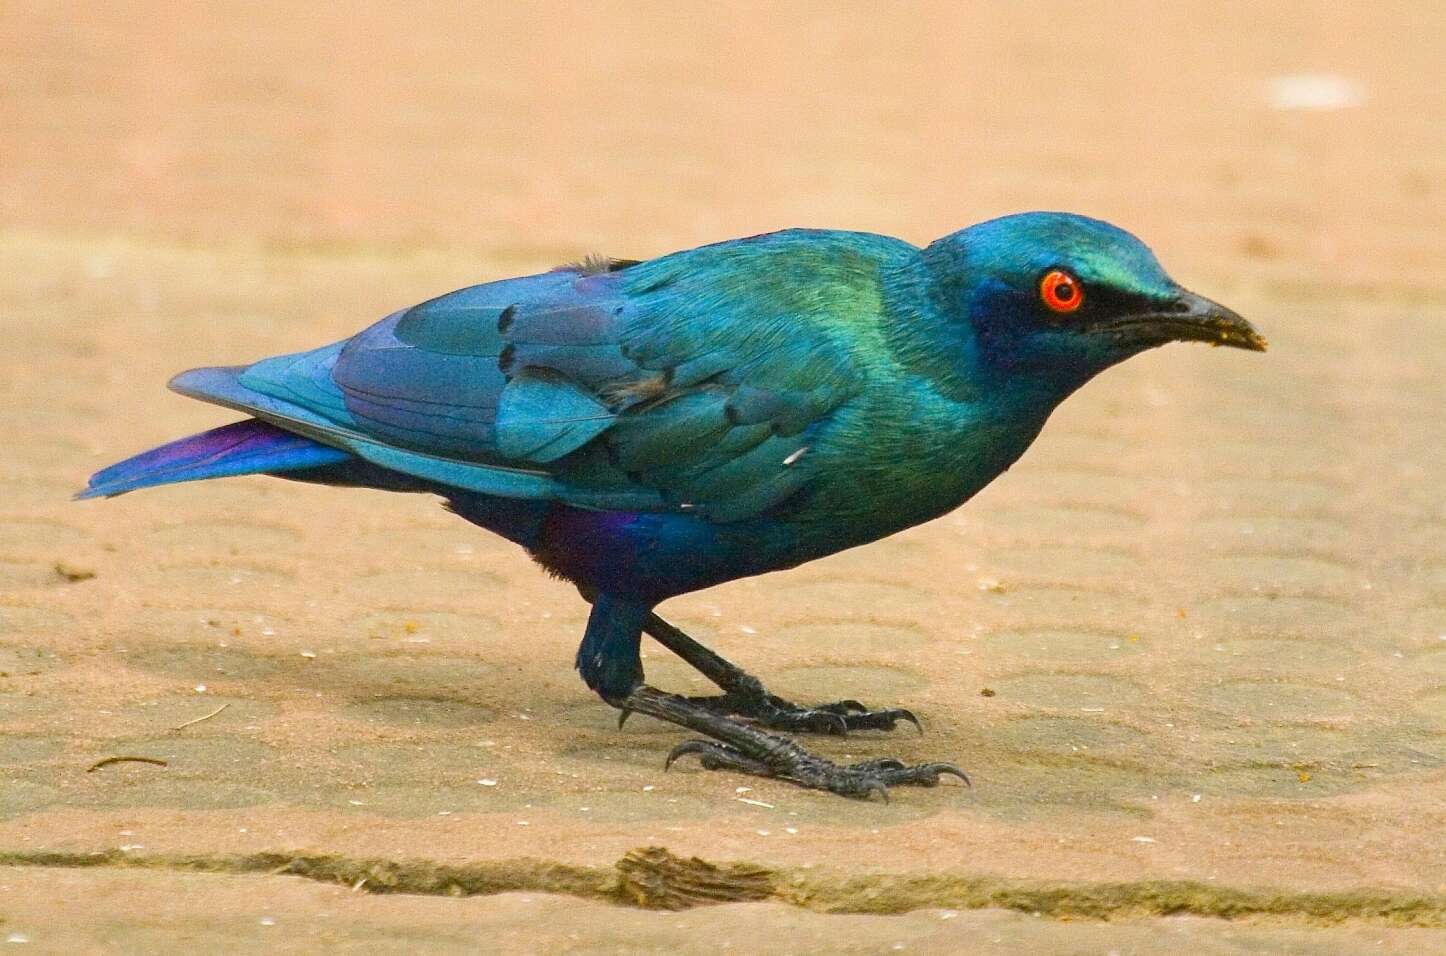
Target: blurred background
{"type": "Point", "coordinates": [1277, 133]}
{"type": "Point", "coordinates": [1208, 607]}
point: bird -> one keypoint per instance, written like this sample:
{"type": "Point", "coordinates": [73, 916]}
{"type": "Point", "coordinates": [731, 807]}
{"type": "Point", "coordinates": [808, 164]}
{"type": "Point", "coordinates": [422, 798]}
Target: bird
{"type": "Point", "coordinates": [649, 428]}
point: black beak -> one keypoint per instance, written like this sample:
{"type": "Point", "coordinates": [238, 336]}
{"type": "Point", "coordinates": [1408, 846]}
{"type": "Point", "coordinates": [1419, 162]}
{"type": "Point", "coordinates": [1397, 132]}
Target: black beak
{"type": "Point", "coordinates": [1191, 318]}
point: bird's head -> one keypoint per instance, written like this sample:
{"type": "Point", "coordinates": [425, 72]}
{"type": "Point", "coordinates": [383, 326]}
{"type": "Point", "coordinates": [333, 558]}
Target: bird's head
{"type": "Point", "coordinates": [1061, 297]}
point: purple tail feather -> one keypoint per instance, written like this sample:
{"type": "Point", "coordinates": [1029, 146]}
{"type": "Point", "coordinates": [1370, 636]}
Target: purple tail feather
{"type": "Point", "coordinates": [241, 448]}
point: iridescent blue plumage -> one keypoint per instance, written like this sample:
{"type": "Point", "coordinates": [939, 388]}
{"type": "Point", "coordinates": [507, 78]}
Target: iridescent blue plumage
{"type": "Point", "coordinates": [646, 429]}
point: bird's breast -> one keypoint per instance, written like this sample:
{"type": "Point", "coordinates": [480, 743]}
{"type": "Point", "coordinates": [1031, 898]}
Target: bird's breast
{"type": "Point", "coordinates": [878, 474]}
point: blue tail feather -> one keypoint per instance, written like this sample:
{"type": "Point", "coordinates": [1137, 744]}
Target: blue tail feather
{"type": "Point", "coordinates": [241, 448]}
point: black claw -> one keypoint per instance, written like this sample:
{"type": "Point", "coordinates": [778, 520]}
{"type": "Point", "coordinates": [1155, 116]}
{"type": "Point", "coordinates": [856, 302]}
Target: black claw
{"type": "Point", "coordinates": [699, 747]}
{"type": "Point", "coordinates": [715, 756]}
{"type": "Point", "coordinates": [939, 768]}
{"type": "Point", "coordinates": [908, 715]}
{"type": "Point", "coordinates": [623, 716]}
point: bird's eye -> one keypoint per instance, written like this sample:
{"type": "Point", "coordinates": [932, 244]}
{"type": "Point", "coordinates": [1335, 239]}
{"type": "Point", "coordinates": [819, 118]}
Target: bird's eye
{"type": "Point", "coordinates": [1061, 291]}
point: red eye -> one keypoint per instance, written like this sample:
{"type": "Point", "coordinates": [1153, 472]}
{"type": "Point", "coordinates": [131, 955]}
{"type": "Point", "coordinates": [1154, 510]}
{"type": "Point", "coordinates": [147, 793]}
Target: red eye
{"type": "Point", "coordinates": [1061, 291]}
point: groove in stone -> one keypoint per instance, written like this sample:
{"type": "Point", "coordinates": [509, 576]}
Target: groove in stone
{"type": "Point", "coordinates": [654, 878]}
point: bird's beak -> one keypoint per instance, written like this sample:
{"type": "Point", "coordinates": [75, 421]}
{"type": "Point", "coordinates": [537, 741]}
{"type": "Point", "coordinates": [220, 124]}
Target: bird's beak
{"type": "Point", "coordinates": [1192, 318]}
{"type": "Point", "coordinates": [1201, 320]}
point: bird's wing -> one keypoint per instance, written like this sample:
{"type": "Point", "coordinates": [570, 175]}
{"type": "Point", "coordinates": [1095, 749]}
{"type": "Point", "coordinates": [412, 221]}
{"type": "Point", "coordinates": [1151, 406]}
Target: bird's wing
{"type": "Point", "coordinates": [694, 381]}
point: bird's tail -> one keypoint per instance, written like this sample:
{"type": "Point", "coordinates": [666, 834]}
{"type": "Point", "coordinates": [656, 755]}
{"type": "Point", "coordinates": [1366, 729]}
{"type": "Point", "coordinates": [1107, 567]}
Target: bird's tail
{"type": "Point", "coordinates": [241, 448]}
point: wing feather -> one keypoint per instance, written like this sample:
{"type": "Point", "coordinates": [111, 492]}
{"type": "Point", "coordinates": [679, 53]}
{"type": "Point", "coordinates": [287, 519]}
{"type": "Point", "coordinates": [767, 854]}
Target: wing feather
{"type": "Point", "coordinates": [691, 382]}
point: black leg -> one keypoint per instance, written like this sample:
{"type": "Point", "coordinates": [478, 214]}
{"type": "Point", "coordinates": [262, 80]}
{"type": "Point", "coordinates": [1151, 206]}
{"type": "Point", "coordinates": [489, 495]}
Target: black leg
{"type": "Point", "coordinates": [746, 749]}
{"type": "Point", "coordinates": [608, 661]}
{"type": "Point", "coordinates": [745, 696]}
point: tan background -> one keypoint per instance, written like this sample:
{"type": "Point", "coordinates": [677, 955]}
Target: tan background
{"type": "Point", "coordinates": [1210, 603]}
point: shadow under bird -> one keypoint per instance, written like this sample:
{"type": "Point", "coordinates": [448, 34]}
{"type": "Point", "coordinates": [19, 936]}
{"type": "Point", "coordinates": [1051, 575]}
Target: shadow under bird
{"type": "Point", "coordinates": [647, 429]}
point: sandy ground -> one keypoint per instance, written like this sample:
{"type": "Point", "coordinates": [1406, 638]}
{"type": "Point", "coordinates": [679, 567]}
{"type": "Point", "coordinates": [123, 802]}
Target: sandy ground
{"type": "Point", "coordinates": [1198, 634]}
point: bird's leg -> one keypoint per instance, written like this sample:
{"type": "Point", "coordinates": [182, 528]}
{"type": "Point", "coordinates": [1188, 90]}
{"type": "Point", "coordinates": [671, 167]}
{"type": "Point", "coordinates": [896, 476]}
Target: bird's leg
{"type": "Point", "coordinates": [745, 696]}
{"type": "Point", "coordinates": [740, 747]}
{"type": "Point", "coordinates": [608, 660]}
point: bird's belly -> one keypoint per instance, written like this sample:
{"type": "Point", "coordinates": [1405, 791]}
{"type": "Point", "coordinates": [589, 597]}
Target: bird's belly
{"type": "Point", "coordinates": [655, 556]}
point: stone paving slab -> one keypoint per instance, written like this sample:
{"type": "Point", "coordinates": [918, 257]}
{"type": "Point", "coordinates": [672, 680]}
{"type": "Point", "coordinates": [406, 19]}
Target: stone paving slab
{"type": "Point", "coordinates": [150, 912]}
{"type": "Point", "coordinates": [1197, 634]}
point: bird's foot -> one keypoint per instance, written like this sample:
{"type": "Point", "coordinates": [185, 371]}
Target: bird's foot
{"type": "Point", "coordinates": [747, 749]}
{"type": "Point", "coordinates": [798, 766]}
{"type": "Point", "coordinates": [837, 718]}
{"type": "Point", "coordinates": [756, 704]}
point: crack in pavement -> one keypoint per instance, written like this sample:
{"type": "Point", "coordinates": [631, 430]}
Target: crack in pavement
{"type": "Point", "coordinates": [654, 878]}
